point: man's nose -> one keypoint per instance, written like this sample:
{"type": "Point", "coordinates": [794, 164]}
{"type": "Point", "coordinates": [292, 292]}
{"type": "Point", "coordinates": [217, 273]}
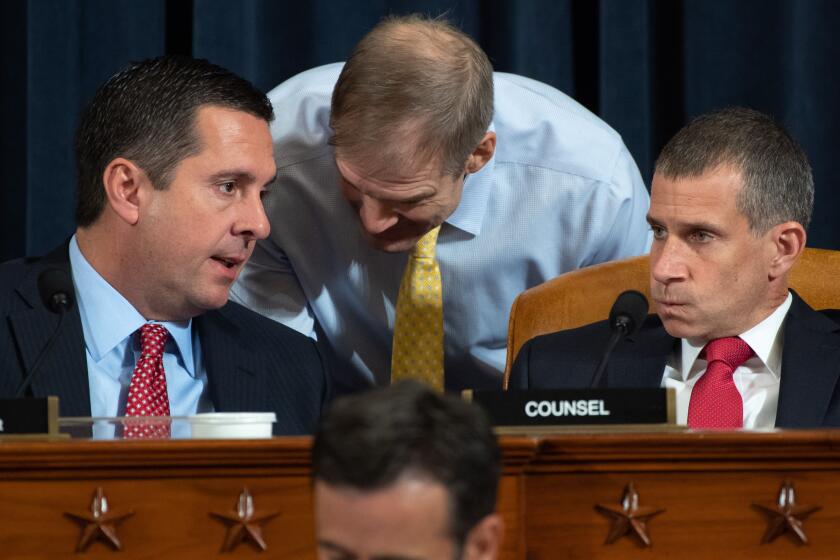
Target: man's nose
{"type": "Point", "coordinates": [252, 222]}
{"type": "Point", "coordinates": [666, 261]}
{"type": "Point", "coordinates": [375, 215]}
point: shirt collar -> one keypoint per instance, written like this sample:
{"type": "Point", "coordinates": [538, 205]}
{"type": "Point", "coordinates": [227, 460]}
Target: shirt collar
{"type": "Point", "coordinates": [108, 318]}
{"type": "Point", "coordinates": [469, 214]}
{"type": "Point", "coordinates": [765, 339]}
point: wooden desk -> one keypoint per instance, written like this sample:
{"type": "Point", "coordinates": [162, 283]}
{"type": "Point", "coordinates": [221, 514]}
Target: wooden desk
{"type": "Point", "coordinates": [706, 483]}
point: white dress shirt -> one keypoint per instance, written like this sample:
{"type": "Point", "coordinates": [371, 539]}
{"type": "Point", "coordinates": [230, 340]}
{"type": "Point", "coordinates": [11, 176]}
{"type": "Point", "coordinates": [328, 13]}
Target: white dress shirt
{"type": "Point", "coordinates": [757, 379]}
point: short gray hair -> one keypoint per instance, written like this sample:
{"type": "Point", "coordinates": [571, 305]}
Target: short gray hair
{"type": "Point", "coordinates": [413, 75]}
{"type": "Point", "coordinates": [777, 182]}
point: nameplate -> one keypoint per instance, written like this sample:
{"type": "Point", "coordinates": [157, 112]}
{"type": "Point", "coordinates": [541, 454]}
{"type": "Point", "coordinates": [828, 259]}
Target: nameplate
{"type": "Point", "coordinates": [577, 407]}
{"type": "Point", "coordinates": [29, 416]}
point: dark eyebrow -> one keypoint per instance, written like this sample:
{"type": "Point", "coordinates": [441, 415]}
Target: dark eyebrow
{"type": "Point", "coordinates": [235, 174]}
{"type": "Point", "coordinates": [238, 175]}
{"type": "Point", "coordinates": [688, 226]}
{"type": "Point", "coordinates": [699, 226]}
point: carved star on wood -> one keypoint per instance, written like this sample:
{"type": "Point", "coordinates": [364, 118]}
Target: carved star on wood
{"type": "Point", "coordinates": [786, 515]}
{"type": "Point", "coordinates": [99, 523]}
{"type": "Point", "coordinates": [628, 517]}
{"type": "Point", "coordinates": [244, 523]}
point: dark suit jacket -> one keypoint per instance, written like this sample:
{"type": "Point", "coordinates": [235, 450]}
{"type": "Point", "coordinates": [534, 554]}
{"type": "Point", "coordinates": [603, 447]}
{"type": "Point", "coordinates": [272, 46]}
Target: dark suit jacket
{"type": "Point", "coordinates": [253, 364]}
{"type": "Point", "coordinates": [808, 395]}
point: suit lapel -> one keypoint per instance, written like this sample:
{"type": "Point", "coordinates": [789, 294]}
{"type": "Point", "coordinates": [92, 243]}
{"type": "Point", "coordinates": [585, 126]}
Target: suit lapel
{"type": "Point", "coordinates": [64, 370]}
{"type": "Point", "coordinates": [233, 367]}
{"type": "Point", "coordinates": [640, 360]}
{"type": "Point", "coordinates": [810, 367]}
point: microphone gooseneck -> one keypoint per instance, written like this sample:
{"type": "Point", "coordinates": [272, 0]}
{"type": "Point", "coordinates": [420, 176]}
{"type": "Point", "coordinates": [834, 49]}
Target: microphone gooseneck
{"type": "Point", "coordinates": [626, 316]}
{"type": "Point", "coordinates": [56, 290]}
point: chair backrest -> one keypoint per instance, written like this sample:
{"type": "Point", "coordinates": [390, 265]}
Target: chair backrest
{"type": "Point", "coordinates": [584, 296]}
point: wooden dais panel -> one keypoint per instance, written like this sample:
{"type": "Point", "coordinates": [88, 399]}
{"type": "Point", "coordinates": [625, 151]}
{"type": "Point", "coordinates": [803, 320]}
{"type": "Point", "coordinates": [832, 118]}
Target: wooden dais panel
{"type": "Point", "coordinates": [571, 495]}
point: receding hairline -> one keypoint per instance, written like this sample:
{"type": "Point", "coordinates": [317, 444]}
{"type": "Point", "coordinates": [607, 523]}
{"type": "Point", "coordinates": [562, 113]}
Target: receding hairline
{"type": "Point", "coordinates": [395, 153]}
{"type": "Point", "coordinates": [724, 165]}
{"type": "Point", "coordinates": [197, 144]}
{"type": "Point", "coordinates": [430, 37]}
{"type": "Point", "coordinates": [415, 61]}
{"type": "Point", "coordinates": [776, 176]}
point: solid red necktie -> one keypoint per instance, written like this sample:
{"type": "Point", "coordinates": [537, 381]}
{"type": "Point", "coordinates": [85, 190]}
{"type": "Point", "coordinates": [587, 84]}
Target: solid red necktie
{"type": "Point", "coordinates": [147, 394]}
{"type": "Point", "coordinates": [715, 401]}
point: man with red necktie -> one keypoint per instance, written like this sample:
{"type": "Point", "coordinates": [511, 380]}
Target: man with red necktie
{"type": "Point", "coordinates": [174, 156]}
{"type": "Point", "coordinates": [731, 199]}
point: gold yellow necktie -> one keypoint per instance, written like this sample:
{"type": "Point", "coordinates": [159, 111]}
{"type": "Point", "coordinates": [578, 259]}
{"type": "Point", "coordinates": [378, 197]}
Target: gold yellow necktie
{"type": "Point", "coordinates": [417, 352]}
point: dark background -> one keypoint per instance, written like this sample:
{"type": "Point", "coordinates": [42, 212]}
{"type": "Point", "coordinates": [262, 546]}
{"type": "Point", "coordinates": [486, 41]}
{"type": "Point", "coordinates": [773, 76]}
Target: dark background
{"type": "Point", "coordinates": [644, 66]}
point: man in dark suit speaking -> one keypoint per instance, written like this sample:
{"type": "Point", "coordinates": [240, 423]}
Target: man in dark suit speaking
{"type": "Point", "coordinates": [731, 199]}
{"type": "Point", "coordinates": [173, 158]}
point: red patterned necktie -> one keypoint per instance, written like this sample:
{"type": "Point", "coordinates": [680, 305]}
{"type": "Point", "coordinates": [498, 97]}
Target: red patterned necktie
{"type": "Point", "coordinates": [715, 401]}
{"type": "Point", "coordinates": [147, 395]}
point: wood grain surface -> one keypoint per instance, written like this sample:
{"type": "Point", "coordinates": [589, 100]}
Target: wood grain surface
{"type": "Point", "coordinates": [705, 482]}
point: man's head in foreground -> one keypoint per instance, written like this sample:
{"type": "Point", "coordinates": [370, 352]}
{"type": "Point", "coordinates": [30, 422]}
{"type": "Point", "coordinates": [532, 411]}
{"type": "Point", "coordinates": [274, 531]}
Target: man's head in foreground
{"type": "Point", "coordinates": [410, 114]}
{"type": "Point", "coordinates": [173, 155]}
{"type": "Point", "coordinates": [406, 473]}
{"type": "Point", "coordinates": [731, 199]}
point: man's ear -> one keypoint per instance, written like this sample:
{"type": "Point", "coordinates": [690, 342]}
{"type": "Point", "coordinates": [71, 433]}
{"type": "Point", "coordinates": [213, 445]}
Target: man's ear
{"type": "Point", "coordinates": [788, 240]}
{"type": "Point", "coordinates": [482, 153]}
{"type": "Point", "coordinates": [123, 180]}
{"type": "Point", "coordinates": [484, 541]}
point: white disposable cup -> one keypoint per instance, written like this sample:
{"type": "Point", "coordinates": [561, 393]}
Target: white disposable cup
{"type": "Point", "coordinates": [232, 425]}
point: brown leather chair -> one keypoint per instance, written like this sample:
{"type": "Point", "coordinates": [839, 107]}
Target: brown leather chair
{"type": "Point", "coordinates": [584, 296]}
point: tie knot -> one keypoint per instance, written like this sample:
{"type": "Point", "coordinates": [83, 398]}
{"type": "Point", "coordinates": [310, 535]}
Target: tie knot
{"type": "Point", "coordinates": [425, 248]}
{"type": "Point", "coordinates": [731, 350]}
{"type": "Point", "coordinates": [152, 339]}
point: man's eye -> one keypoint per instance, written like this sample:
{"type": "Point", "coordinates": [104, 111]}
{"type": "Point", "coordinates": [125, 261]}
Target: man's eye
{"type": "Point", "coordinates": [658, 232]}
{"type": "Point", "coordinates": [701, 236]}
{"type": "Point", "coordinates": [228, 187]}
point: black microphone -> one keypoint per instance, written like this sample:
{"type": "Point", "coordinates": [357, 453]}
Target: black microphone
{"type": "Point", "coordinates": [56, 289]}
{"type": "Point", "coordinates": [626, 316]}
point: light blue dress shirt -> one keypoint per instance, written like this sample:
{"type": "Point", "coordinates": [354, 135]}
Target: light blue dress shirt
{"type": "Point", "coordinates": [561, 192]}
{"type": "Point", "coordinates": [112, 346]}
